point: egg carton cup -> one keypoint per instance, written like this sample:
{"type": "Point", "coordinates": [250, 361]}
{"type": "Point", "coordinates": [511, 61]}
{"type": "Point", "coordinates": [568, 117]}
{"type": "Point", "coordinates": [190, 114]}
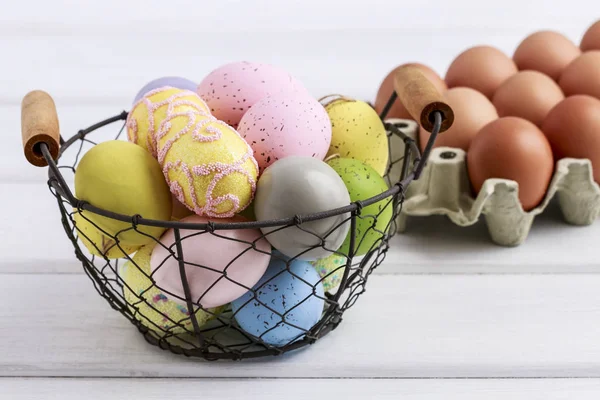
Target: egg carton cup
{"type": "Point", "coordinates": [444, 189]}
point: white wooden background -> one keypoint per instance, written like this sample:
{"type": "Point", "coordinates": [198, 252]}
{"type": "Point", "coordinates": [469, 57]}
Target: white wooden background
{"type": "Point", "coordinates": [492, 322]}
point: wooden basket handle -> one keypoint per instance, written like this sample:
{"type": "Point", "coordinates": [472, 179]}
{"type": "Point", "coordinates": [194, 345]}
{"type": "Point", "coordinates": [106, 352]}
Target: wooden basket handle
{"type": "Point", "coordinates": [420, 98]}
{"type": "Point", "coordinates": [39, 124]}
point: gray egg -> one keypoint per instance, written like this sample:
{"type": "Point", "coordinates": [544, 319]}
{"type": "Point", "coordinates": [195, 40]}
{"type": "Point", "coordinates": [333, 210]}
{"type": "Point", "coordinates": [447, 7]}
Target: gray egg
{"type": "Point", "coordinates": [300, 186]}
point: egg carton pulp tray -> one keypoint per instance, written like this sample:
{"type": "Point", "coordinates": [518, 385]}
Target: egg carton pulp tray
{"type": "Point", "coordinates": [444, 189]}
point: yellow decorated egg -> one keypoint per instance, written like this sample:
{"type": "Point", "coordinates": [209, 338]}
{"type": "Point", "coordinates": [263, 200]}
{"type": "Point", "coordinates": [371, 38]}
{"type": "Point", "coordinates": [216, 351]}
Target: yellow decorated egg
{"type": "Point", "coordinates": [358, 133]}
{"type": "Point", "coordinates": [331, 270]}
{"type": "Point", "coordinates": [150, 113]}
{"type": "Point", "coordinates": [97, 242]}
{"type": "Point", "coordinates": [122, 177]}
{"type": "Point", "coordinates": [209, 167]}
{"type": "Point", "coordinates": [149, 304]}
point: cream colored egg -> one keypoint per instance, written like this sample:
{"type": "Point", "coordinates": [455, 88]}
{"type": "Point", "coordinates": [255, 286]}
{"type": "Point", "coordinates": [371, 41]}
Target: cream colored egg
{"type": "Point", "coordinates": [209, 167]}
{"type": "Point", "coordinates": [358, 133]}
{"type": "Point", "coordinates": [147, 116]}
{"type": "Point", "coordinates": [150, 305]}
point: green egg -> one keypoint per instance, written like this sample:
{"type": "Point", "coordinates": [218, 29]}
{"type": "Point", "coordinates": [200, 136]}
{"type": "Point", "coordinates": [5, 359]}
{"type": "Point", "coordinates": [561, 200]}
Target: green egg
{"type": "Point", "coordinates": [357, 132]}
{"type": "Point", "coordinates": [363, 182]}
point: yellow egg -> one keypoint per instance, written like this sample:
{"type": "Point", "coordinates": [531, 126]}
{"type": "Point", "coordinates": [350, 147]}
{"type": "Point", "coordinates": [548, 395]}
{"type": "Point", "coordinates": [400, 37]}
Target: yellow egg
{"type": "Point", "coordinates": [150, 305]}
{"type": "Point", "coordinates": [124, 178]}
{"type": "Point", "coordinates": [98, 243]}
{"type": "Point", "coordinates": [357, 132]}
{"type": "Point", "coordinates": [209, 167]}
{"type": "Point", "coordinates": [148, 115]}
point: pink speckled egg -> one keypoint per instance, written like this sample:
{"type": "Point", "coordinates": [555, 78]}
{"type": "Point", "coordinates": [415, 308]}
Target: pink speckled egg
{"type": "Point", "coordinates": [286, 124]}
{"type": "Point", "coordinates": [232, 89]}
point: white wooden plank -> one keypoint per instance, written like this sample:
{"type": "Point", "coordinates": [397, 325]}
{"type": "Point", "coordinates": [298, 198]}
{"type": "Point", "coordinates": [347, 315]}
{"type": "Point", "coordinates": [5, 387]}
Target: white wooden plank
{"type": "Point", "coordinates": [35, 242]}
{"type": "Point", "coordinates": [404, 326]}
{"type": "Point", "coordinates": [269, 15]}
{"type": "Point", "coordinates": [114, 68]}
{"type": "Point", "coordinates": [269, 389]}
{"type": "Point", "coordinates": [112, 63]}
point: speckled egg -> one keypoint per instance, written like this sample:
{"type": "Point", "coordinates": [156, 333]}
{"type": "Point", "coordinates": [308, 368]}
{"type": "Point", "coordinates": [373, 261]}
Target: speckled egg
{"type": "Point", "coordinates": [331, 270]}
{"type": "Point", "coordinates": [358, 133]}
{"type": "Point", "coordinates": [149, 304]}
{"type": "Point", "coordinates": [363, 182]}
{"type": "Point", "coordinates": [232, 89]}
{"type": "Point", "coordinates": [208, 166]}
{"type": "Point", "coordinates": [286, 124]}
{"type": "Point", "coordinates": [171, 81]}
{"type": "Point", "coordinates": [150, 114]}
{"type": "Point", "coordinates": [286, 303]}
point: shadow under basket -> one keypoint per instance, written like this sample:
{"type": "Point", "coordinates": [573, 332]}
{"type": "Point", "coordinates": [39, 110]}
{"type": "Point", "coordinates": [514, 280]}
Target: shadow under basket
{"type": "Point", "coordinates": [179, 323]}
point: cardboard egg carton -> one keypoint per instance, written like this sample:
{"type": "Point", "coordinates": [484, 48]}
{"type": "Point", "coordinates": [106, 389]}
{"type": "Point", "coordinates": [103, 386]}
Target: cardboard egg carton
{"type": "Point", "coordinates": [444, 189]}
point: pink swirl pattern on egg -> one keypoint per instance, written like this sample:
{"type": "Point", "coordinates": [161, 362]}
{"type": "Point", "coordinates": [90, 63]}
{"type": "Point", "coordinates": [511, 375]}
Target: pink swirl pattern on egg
{"type": "Point", "coordinates": [198, 126]}
{"type": "Point", "coordinates": [172, 102]}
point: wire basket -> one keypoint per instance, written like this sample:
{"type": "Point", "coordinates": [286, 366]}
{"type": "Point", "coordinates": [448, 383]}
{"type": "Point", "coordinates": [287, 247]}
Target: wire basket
{"type": "Point", "coordinates": [183, 324]}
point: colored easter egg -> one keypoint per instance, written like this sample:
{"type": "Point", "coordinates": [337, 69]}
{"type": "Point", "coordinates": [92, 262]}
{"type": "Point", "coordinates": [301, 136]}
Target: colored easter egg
{"type": "Point", "coordinates": [363, 182]}
{"type": "Point", "coordinates": [159, 110]}
{"type": "Point", "coordinates": [171, 81]}
{"type": "Point", "coordinates": [286, 124]}
{"type": "Point", "coordinates": [286, 302]}
{"type": "Point", "coordinates": [149, 304]}
{"type": "Point", "coordinates": [124, 178]}
{"type": "Point", "coordinates": [98, 243]}
{"type": "Point", "coordinates": [300, 186]}
{"type": "Point", "coordinates": [358, 133]}
{"type": "Point", "coordinates": [331, 270]}
{"type": "Point", "coordinates": [220, 267]}
{"type": "Point", "coordinates": [232, 89]}
{"type": "Point", "coordinates": [207, 165]}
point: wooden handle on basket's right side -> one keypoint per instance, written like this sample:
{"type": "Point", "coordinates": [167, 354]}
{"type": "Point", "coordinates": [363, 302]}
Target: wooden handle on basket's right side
{"type": "Point", "coordinates": [39, 124]}
{"type": "Point", "coordinates": [421, 98]}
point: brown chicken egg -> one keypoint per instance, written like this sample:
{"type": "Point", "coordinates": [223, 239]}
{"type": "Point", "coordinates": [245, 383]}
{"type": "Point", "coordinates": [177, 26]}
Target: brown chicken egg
{"type": "Point", "coordinates": [591, 39]}
{"type": "Point", "coordinates": [512, 148]}
{"type": "Point", "coordinates": [472, 111]}
{"type": "Point", "coordinates": [387, 88]}
{"type": "Point", "coordinates": [482, 68]}
{"type": "Point", "coordinates": [573, 130]}
{"type": "Point", "coordinates": [529, 95]}
{"type": "Point", "coordinates": [548, 52]}
{"type": "Point", "coordinates": [582, 76]}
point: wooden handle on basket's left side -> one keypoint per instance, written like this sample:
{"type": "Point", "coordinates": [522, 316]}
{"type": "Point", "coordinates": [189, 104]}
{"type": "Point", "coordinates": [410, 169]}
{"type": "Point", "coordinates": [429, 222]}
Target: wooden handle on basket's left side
{"type": "Point", "coordinates": [39, 124]}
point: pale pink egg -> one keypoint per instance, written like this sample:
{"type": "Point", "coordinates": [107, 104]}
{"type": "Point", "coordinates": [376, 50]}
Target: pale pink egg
{"type": "Point", "coordinates": [232, 89]}
{"type": "Point", "coordinates": [219, 267]}
{"type": "Point", "coordinates": [286, 124]}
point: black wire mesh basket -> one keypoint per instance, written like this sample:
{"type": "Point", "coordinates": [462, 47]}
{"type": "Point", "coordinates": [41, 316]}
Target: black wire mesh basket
{"type": "Point", "coordinates": [182, 322]}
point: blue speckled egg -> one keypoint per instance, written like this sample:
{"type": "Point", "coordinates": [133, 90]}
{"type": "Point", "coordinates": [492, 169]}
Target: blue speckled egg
{"type": "Point", "coordinates": [288, 302]}
{"type": "Point", "coordinates": [172, 81]}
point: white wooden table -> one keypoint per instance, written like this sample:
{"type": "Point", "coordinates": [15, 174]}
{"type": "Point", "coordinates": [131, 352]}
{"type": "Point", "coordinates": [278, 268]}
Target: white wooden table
{"type": "Point", "coordinates": [491, 322]}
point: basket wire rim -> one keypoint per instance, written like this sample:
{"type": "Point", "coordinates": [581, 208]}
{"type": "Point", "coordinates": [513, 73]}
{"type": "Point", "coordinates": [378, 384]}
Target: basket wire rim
{"type": "Point", "coordinates": [57, 181]}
